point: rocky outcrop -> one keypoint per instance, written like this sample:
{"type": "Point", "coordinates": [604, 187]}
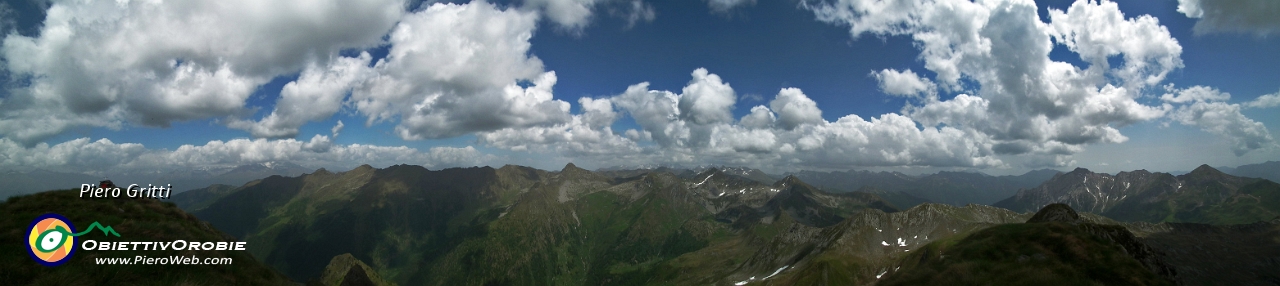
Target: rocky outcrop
{"type": "Point", "coordinates": [1056, 213]}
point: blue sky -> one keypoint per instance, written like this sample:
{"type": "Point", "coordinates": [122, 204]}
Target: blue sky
{"type": "Point", "coordinates": [776, 85]}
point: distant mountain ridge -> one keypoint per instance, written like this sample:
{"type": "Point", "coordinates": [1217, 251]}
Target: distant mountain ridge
{"type": "Point", "coordinates": [1204, 195]}
{"type": "Point", "coordinates": [19, 183]}
{"type": "Point", "coordinates": [25, 182]}
{"type": "Point", "coordinates": [954, 188]}
{"type": "Point", "coordinates": [1269, 170]}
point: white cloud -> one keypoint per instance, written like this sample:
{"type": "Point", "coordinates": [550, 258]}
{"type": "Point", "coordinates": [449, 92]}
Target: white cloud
{"type": "Point", "coordinates": [1196, 94]}
{"type": "Point", "coordinates": [904, 83]}
{"type": "Point", "coordinates": [1191, 8]}
{"type": "Point", "coordinates": [707, 100]}
{"type": "Point", "coordinates": [317, 94]}
{"type": "Point", "coordinates": [1097, 32]}
{"type": "Point", "coordinates": [1225, 120]}
{"type": "Point", "coordinates": [891, 140]}
{"type": "Point", "coordinates": [597, 113]}
{"type": "Point", "coordinates": [1025, 102]}
{"type": "Point", "coordinates": [1248, 16]}
{"type": "Point", "coordinates": [656, 112]}
{"type": "Point", "coordinates": [336, 128]}
{"type": "Point", "coordinates": [724, 6]}
{"type": "Point", "coordinates": [103, 63]}
{"type": "Point", "coordinates": [795, 136]}
{"type": "Point", "coordinates": [760, 117]}
{"type": "Point", "coordinates": [794, 108]}
{"type": "Point", "coordinates": [587, 134]}
{"type": "Point", "coordinates": [1265, 101]}
{"type": "Point", "coordinates": [456, 69]}
{"type": "Point", "coordinates": [103, 155]}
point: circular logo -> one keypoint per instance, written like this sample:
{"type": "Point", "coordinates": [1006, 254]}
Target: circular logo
{"type": "Point", "coordinates": [49, 239]}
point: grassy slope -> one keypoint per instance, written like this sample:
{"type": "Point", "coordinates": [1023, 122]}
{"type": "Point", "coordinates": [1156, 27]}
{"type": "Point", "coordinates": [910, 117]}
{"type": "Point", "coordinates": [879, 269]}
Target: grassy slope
{"type": "Point", "coordinates": [135, 220]}
{"type": "Point", "coordinates": [599, 238]}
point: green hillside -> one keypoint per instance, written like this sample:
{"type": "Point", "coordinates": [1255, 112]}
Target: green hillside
{"type": "Point", "coordinates": [516, 224]}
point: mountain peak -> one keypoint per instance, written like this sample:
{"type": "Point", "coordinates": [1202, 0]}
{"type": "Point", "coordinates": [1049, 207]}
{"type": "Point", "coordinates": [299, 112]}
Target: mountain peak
{"type": "Point", "coordinates": [790, 180]}
{"type": "Point", "coordinates": [571, 167]}
{"type": "Point", "coordinates": [1056, 212]}
{"type": "Point", "coordinates": [1205, 170]}
{"type": "Point", "coordinates": [1080, 170]}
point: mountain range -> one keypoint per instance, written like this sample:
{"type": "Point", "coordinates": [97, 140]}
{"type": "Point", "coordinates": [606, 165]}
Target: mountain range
{"type": "Point", "coordinates": [1204, 195]}
{"type": "Point", "coordinates": [519, 225]}
{"type": "Point", "coordinates": [953, 188]}
{"type": "Point", "coordinates": [409, 225]}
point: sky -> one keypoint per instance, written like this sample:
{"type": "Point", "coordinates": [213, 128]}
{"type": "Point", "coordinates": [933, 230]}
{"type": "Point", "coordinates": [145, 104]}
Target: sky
{"type": "Point", "coordinates": [1000, 86]}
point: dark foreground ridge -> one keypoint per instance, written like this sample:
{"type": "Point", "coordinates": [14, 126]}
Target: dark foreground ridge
{"type": "Point", "coordinates": [1054, 247]}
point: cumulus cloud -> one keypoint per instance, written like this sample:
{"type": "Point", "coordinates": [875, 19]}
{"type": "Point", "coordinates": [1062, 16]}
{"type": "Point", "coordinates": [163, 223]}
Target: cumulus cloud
{"type": "Point", "coordinates": [1246, 16]}
{"type": "Point", "coordinates": [694, 127]}
{"type": "Point", "coordinates": [904, 83]}
{"type": "Point", "coordinates": [1195, 94]}
{"type": "Point", "coordinates": [85, 155]}
{"type": "Point", "coordinates": [1025, 102]}
{"type": "Point", "coordinates": [455, 69]}
{"type": "Point", "coordinates": [1265, 101]}
{"type": "Point", "coordinates": [317, 94]}
{"type": "Point", "coordinates": [760, 117]}
{"type": "Point", "coordinates": [101, 63]}
{"type": "Point", "coordinates": [1209, 111]}
{"type": "Point", "coordinates": [1225, 120]}
{"type": "Point", "coordinates": [794, 108]}
{"type": "Point", "coordinates": [586, 134]}
{"type": "Point", "coordinates": [656, 112]}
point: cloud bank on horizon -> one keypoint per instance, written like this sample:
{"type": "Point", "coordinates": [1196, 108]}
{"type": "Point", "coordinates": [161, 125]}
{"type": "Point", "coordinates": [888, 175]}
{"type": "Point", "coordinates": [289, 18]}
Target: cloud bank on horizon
{"type": "Point", "coordinates": [989, 94]}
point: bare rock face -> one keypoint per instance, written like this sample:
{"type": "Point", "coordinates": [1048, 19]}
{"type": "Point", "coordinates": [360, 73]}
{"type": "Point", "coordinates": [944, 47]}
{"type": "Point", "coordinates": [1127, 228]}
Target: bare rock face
{"type": "Point", "coordinates": [1058, 212]}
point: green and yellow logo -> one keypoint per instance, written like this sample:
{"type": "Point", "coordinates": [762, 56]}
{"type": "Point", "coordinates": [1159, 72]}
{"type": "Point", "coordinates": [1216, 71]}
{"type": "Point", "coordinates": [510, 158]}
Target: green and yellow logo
{"type": "Point", "coordinates": [51, 239]}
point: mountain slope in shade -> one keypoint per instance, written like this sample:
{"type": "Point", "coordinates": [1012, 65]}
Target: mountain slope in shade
{"type": "Point", "coordinates": [1204, 195]}
{"type": "Point", "coordinates": [1201, 254]}
{"type": "Point", "coordinates": [198, 199]}
{"type": "Point", "coordinates": [1053, 247]}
